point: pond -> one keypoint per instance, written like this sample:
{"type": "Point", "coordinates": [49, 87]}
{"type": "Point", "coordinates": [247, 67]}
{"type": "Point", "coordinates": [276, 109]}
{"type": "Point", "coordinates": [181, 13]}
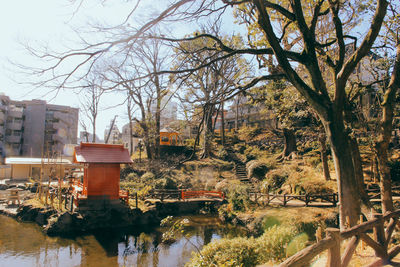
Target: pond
{"type": "Point", "coordinates": [24, 244]}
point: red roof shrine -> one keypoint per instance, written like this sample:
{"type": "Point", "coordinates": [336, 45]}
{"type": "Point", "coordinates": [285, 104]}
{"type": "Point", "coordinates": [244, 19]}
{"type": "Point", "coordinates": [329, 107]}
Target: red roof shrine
{"type": "Point", "coordinates": [101, 153]}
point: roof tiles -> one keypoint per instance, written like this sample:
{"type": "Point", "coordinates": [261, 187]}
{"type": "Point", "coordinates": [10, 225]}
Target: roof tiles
{"type": "Point", "coordinates": [101, 153]}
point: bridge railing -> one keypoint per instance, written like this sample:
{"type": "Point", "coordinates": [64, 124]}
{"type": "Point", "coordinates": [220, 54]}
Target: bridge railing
{"type": "Point", "coordinates": [382, 226]}
{"type": "Point", "coordinates": [184, 194]}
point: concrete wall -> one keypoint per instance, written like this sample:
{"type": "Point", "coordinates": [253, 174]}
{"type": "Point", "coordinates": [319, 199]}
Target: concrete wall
{"type": "Point", "coordinates": [35, 115]}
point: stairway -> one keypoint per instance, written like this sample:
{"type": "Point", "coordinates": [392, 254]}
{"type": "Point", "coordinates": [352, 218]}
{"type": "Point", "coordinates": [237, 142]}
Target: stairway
{"type": "Point", "coordinates": [240, 167]}
{"type": "Point", "coordinates": [241, 172]}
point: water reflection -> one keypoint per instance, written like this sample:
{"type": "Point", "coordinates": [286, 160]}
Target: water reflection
{"type": "Point", "coordinates": [24, 244]}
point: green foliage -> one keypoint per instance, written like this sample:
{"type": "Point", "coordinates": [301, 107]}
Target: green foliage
{"type": "Point", "coordinates": [238, 197]}
{"type": "Point", "coordinates": [271, 246]}
{"type": "Point", "coordinates": [148, 176]}
{"type": "Point", "coordinates": [274, 179]}
{"type": "Point", "coordinates": [222, 153]}
{"type": "Point", "coordinates": [258, 168]}
{"type": "Point", "coordinates": [270, 221]}
{"type": "Point", "coordinates": [252, 153]}
{"type": "Point", "coordinates": [274, 241]}
{"type": "Point", "coordinates": [298, 243]}
{"type": "Point", "coordinates": [227, 252]}
{"type": "Point", "coordinates": [165, 183]}
{"type": "Point", "coordinates": [247, 133]}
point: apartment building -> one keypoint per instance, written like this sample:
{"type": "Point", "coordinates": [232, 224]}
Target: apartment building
{"type": "Point", "coordinates": [32, 127]}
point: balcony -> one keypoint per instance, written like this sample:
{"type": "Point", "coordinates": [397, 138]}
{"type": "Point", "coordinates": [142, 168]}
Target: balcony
{"type": "Point", "coordinates": [15, 125]}
{"type": "Point", "coordinates": [13, 138]}
{"type": "Point", "coordinates": [15, 112]}
{"type": "Point", "coordinates": [2, 117]}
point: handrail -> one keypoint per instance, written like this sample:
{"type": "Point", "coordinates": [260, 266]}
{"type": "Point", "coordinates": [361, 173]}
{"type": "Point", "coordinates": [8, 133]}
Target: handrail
{"type": "Point", "coordinates": [379, 242]}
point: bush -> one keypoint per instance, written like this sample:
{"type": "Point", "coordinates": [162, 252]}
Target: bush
{"type": "Point", "coordinates": [132, 177]}
{"type": "Point", "coordinates": [234, 252]}
{"type": "Point", "coordinates": [274, 179]}
{"type": "Point", "coordinates": [252, 153]}
{"type": "Point", "coordinates": [258, 168]}
{"type": "Point", "coordinates": [222, 154]}
{"type": "Point", "coordinates": [240, 251]}
{"type": "Point", "coordinates": [126, 171]}
{"type": "Point", "coordinates": [238, 197]}
{"type": "Point", "coordinates": [274, 241]}
{"type": "Point", "coordinates": [147, 177]}
{"type": "Point", "coordinates": [165, 183]}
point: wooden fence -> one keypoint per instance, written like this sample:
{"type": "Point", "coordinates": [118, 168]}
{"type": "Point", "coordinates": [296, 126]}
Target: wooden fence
{"type": "Point", "coordinates": [382, 229]}
{"type": "Point", "coordinates": [267, 198]}
{"type": "Point", "coordinates": [184, 194]}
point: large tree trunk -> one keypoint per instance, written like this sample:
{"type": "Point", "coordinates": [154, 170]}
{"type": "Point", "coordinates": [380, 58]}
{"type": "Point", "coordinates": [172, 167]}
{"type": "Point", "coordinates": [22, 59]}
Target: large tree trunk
{"type": "Point", "coordinates": [94, 130]}
{"type": "Point", "coordinates": [222, 124]}
{"type": "Point", "coordinates": [385, 133]}
{"type": "Point", "coordinates": [207, 134]}
{"type": "Point", "coordinates": [324, 156]}
{"type": "Point", "coordinates": [384, 171]}
{"type": "Point", "coordinates": [349, 197]}
{"type": "Point", "coordinates": [366, 206]}
{"type": "Point", "coordinates": [290, 143]}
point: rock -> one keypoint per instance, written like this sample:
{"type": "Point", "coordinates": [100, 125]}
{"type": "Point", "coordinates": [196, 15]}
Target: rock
{"type": "Point", "coordinates": [3, 186]}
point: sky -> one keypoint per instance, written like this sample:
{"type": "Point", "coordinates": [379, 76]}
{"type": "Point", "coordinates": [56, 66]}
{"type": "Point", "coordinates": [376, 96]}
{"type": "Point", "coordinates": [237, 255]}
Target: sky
{"type": "Point", "coordinates": [38, 22]}
{"type": "Point", "coordinates": [51, 22]}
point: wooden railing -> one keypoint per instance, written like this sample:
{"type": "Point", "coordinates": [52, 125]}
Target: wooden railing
{"type": "Point", "coordinates": [267, 198]}
{"type": "Point", "coordinates": [124, 196]}
{"type": "Point", "coordinates": [184, 194]}
{"type": "Point", "coordinates": [201, 193]}
{"type": "Point", "coordinates": [382, 226]}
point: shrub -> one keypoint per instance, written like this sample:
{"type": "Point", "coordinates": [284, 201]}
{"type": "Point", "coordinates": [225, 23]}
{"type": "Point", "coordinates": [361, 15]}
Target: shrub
{"type": "Point", "coordinates": [234, 252]}
{"type": "Point", "coordinates": [238, 197]}
{"type": "Point", "coordinates": [253, 152]}
{"type": "Point", "coordinates": [274, 241]}
{"type": "Point", "coordinates": [132, 177]}
{"type": "Point", "coordinates": [126, 171]}
{"type": "Point", "coordinates": [222, 154]}
{"type": "Point", "coordinates": [165, 183]}
{"type": "Point", "coordinates": [258, 168]}
{"type": "Point", "coordinates": [274, 179]}
{"type": "Point", "coordinates": [148, 176]}
{"type": "Point", "coordinates": [241, 251]}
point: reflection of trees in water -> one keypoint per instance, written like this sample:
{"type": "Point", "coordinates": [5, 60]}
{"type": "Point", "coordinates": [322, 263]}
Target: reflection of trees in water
{"type": "Point", "coordinates": [109, 247]}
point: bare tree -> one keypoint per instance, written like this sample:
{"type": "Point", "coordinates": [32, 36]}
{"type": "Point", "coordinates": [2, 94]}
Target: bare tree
{"type": "Point", "coordinates": [325, 60]}
{"type": "Point", "coordinates": [90, 97]}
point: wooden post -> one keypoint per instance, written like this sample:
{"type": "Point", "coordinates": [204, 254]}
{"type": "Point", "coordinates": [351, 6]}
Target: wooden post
{"type": "Point", "coordinates": [318, 234]}
{"type": "Point", "coordinates": [362, 242]}
{"type": "Point", "coordinates": [268, 195]}
{"type": "Point", "coordinates": [72, 203]}
{"type": "Point", "coordinates": [136, 199]}
{"type": "Point", "coordinates": [334, 252]}
{"type": "Point", "coordinates": [284, 200]}
{"type": "Point", "coordinates": [379, 233]}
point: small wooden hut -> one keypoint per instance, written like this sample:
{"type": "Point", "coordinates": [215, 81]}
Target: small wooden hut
{"type": "Point", "coordinates": [101, 170]}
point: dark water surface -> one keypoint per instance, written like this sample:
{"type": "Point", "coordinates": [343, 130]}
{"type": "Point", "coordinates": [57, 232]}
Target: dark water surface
{"type": "Point", "coordinates": [23, 244]}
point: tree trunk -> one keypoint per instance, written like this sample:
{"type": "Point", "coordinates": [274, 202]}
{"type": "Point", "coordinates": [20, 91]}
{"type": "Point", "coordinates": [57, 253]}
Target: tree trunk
{"type": "Point", "coordinates": [324, 156]}
{"type": "Point", "coordinates": [366, 206]}
{"type": "Point", "coordinates": [385, 133]}
{"type": "Point", "coordinates": [290, 142]}
{"type": "Point", "coordinates": [222, 124]}
{"type": "Point", "coordinates": [384, 172]}
{"type": "Point", "coordinates": [349, 197]}
{"type": "Point", "coordinates": [94, 130]}
{"type": "Point", "coordinates": [237, 113]}
{"type": "Point", "coordinates": [208, 111]}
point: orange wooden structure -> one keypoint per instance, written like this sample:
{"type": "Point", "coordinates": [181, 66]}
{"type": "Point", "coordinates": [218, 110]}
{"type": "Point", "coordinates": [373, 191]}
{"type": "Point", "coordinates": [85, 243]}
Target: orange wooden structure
{"type": "Point", "coordinates": [169, 138]}
{"type": "Point", "coordinates": [101, 170]}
